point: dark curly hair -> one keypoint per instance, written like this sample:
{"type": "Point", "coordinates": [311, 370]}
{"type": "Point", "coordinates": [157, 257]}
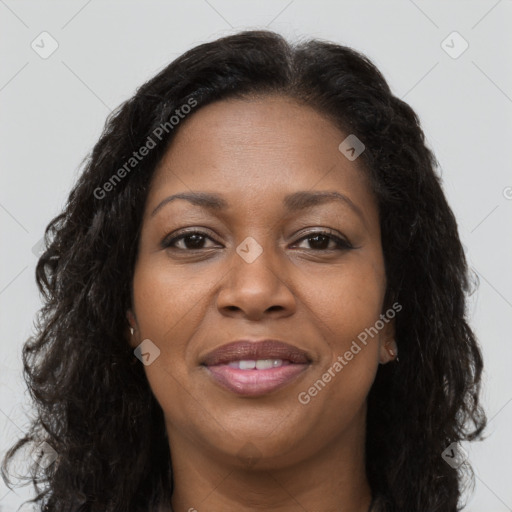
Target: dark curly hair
{"type": "Point", "coordinates": [96, 408]}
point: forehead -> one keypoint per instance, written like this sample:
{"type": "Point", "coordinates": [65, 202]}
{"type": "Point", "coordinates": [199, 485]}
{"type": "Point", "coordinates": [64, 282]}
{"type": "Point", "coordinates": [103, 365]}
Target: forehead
{"type": "Point", "coordinates": [258, 149]}
{"type": "Point", "coordinates": [271, 127]}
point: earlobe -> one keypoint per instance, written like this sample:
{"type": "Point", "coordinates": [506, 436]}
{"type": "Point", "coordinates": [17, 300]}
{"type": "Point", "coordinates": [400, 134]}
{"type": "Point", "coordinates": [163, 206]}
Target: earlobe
{"type": "Point", "coordinates": [130, 332]}
{"type": "Point", "coordinates": [388, 351]}
{"type": "Point", "coordinates": [130, 317]}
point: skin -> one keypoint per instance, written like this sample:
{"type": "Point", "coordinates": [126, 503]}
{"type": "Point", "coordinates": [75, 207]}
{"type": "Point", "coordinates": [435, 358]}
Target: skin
{"type": "Point", "coordinates": [269, 452]}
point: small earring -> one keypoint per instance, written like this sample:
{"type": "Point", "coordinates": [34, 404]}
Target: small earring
{"type": "Point", "coordinates": [131, 330]}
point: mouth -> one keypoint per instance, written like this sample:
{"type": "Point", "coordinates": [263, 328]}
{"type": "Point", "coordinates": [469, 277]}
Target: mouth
{"type": "Point", "coordinates": [255, 368]}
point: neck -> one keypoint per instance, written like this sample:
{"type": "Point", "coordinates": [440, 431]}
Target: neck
{"type": "Point", "coordinates": [333, 479]}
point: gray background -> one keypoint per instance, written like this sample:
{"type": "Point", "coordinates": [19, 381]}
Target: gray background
{"type": "Point", "coordinates": [53, 110]}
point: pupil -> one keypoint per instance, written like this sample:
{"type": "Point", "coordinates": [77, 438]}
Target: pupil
{"type": "Point", "coordinates": [316, 237]}
{"type": "Point", "coordinates": [196, 243]}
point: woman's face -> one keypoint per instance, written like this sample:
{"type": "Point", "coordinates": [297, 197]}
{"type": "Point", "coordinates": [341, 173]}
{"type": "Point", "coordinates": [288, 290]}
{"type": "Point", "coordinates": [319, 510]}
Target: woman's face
{"type": "Point", "coordinates": [261, 267]}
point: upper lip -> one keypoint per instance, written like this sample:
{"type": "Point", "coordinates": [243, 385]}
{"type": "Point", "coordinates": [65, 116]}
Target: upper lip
{"type": "Point", "coordinates": [253, 350]}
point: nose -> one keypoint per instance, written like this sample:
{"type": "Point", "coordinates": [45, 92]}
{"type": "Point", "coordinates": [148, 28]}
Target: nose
{"type": "Point", "coordinates": [256, 290]}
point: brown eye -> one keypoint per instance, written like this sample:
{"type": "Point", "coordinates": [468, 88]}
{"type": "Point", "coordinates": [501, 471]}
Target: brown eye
{"type": "Point", "coordinates": [192, 240]}
{"type": "Point", "coordinates": [320, 240]}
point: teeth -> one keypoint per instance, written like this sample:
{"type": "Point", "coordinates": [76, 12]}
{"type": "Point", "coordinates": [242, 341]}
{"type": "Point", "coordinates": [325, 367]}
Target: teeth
{"type": "Point", "coordinates": [265, 364]}
{"type": "Point", "coordinates": [260, 364]}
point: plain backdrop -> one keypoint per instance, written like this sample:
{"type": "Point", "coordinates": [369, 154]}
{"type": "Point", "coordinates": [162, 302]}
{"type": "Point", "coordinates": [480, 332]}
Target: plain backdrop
{"type": "Point", "coordinates": [53, 110]}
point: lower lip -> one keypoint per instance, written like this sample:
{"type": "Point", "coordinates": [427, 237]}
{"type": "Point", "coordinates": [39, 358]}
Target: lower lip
{"type": "Point", "coordinates": [255, 382]}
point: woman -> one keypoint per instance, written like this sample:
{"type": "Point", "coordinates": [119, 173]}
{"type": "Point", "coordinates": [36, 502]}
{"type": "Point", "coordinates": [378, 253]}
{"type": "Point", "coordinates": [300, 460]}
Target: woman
{"type": "Point", "coordinates": [255, 299]}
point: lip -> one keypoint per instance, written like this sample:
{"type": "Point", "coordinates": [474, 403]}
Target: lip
{"type": "Point", "coordinates": [255, 382]}
{"type": "Point", "coordinates": [247, 349]}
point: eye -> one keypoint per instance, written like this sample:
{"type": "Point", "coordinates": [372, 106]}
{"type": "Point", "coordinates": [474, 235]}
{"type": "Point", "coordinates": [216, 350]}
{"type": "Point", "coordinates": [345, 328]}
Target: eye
{"type": "Point", "coordinates": [320, 240]}
{"type": "Point", "coordinates": [192, 240]}
{"type": "Point", "coordinates": [195, 240]}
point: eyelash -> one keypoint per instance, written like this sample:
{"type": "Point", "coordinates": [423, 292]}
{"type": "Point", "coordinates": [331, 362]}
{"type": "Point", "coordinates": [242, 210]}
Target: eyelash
{"type": "Point", "coordinates": [341, 244]}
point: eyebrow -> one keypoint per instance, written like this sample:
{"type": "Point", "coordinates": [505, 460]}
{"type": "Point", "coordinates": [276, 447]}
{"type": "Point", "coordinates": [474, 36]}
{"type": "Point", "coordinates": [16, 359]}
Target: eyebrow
{"type": "Point", "coordinates": [297, 201]}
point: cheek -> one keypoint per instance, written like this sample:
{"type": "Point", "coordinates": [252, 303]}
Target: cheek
{"type": "Point", "coordinates": [166, 300]}
{"type": "Point", "coordinates": [168, 307]}
{"type": "Point", "coordinates": [166, 311]}
{"type": "Point", "coordinates": [350, 303]}
{"type": "Point", "coordinates": [347, 311]}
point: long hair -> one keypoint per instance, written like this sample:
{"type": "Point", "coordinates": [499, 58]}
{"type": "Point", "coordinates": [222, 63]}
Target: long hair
{"type": "Point", "coordinates": [96, 409]}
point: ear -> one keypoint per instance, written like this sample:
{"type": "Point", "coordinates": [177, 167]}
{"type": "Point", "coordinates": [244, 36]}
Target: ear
{"type": "Point", "coordinates": [388, 350]}
{"type": "Point", "coordinates": [131, 331]}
